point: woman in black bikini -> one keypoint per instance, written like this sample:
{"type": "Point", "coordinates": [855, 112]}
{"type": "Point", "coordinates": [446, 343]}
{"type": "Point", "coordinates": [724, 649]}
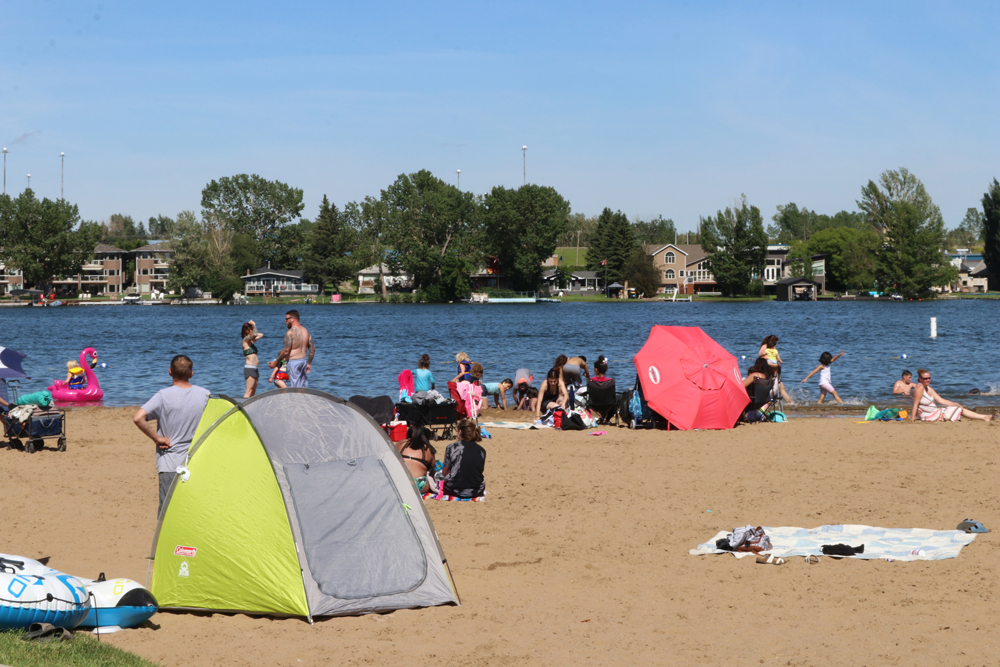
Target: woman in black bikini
{"type": "Point", "coordinates": [418, 455]}
{"type": "Point", "coordinates": [250, 362]}
{"type": "Point", "coordinates": [553, 393]}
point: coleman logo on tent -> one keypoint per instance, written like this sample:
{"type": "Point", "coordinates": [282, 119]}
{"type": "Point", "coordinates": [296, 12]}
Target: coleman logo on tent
{"type": "Point", "coordinates": [654, 375]}
{"type": "Point", "coordinates": [187, 552]}
{"type": "Point", "coordinates": [183, 572]}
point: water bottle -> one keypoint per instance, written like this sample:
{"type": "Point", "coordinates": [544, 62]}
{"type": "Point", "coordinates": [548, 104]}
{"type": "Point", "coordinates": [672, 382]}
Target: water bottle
{"type": "Point", "coordinates": [918, 552]}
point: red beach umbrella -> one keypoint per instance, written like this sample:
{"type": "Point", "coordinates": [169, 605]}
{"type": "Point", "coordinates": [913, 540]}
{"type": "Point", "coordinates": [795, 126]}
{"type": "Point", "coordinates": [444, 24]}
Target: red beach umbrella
{"type": "Point", "coordinates": [689, 379]}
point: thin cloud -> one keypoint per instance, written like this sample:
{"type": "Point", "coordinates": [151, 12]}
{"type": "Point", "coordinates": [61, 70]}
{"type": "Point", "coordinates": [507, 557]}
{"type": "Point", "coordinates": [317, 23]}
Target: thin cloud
{"type": "Point", "coordinates": [23, 139]}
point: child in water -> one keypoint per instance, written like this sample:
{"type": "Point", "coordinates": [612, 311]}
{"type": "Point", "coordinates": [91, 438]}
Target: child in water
{"type": "Point", "coordinates": [464, 368]}
{"type": "Point", "coordinates": [75, 377]}
{"type": "Point", "coordinates": [825, 387]}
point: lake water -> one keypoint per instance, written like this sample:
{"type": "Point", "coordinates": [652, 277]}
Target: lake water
{"type": "Point", "coordinates": [361, 348]}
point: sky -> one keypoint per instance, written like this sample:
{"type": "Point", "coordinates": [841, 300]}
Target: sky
{"type": "Point", "coordinates": [658, 108]}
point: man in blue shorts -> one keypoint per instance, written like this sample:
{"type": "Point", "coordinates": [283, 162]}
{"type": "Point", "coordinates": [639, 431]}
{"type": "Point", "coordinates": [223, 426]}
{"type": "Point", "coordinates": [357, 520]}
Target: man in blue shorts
{"type": "Point", "coordinates": [298, 350]}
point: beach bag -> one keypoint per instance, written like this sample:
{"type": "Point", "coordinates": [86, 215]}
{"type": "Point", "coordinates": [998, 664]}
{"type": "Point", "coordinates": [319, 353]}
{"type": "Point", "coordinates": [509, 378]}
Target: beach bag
{"type": "Point", "coordinates": [573, 422]}
{"type": "Point", "coordinates": [624, 413]}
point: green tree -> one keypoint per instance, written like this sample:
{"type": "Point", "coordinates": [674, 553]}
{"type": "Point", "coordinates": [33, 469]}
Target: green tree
{"type": "Point", "coordinates": [44, 239]}
{"type": "Point", "coordinates": [657, 231]}
{"type": "Point", "coordinates": [520, 228]}
{"type": "Point", "coordinates": [293, 245]}
{"type": "Point", "coordinates": [577, 222]}
{"type": "Point", "coordinates": [251, 205]}
{"type": "Point", "coordinates": [991, 230]}
{"type": "Point", "coordinates": [737, 244]}
{"type": "Point", "coordinates": [850, 257]}
{"type": "Point", "coordinates": [969, 232]}
{"type": "Point", "coordinates": [160, 227]}
{"type": "Point", "coordinates": [613, 240]}
{"type": "Point", "coordinates": [204, 256]}
{"type": "Point", "coordinates": [328, 258]}
{"type": "Point", "coordinates": [640, 272]}
{"type": "Point", "coordinates": [910, 258]}
{"type": "Point", "coordinates": [368, 223]}
{"type": "Point", "coordinates": [792, 223]}
{"type": "Point", "coordinates": [427, 219]}
{"type": "Point", "coordinates": [799, 259]}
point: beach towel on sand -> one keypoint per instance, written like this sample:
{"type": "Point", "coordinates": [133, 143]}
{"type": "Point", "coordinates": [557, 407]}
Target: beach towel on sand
{"type": "Point", "coordinates": [518, 426]}
{"type": "Point", "coordinates": [894, 543]}
{"type": "Point", "coordinates": [442, 496]}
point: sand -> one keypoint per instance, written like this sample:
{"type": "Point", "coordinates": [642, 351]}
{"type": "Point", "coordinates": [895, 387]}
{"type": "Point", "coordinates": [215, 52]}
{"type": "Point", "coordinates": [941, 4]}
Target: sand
{"type": "Point", "coordinates": [580, 554]}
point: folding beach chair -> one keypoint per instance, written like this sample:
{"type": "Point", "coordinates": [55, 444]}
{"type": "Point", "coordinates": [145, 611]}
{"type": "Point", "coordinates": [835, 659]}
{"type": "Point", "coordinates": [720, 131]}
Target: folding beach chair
{"type": "Point", "coordinates": [602, 400]}
{"type": "Point", "coordinates": [762, 400]}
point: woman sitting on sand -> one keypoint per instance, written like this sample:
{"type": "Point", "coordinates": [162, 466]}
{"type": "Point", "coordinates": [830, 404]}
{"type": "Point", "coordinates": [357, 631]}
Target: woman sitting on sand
{"type": "Point", "coordinates": [553, 393]}
{"type": "Point", "coordinates": [464, 463]}
{"type": "Point", "coordinates": [925, 404]}
{"type": "Point", "coordinates": [418, 455]}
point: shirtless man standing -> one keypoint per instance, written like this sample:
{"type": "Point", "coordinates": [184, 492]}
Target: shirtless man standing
{"type": "Point", "coordinates": [904, 386]}
{"type": "Point", "coordinates": [298, 350]}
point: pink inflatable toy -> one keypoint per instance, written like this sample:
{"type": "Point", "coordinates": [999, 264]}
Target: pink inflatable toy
{"type": "Point", "coordinates": [92, 392]}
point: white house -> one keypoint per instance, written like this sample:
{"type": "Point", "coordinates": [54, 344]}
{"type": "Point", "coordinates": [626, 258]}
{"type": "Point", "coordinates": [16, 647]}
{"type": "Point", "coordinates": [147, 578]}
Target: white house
{"type": "Point", "coordinates": [368, 278]}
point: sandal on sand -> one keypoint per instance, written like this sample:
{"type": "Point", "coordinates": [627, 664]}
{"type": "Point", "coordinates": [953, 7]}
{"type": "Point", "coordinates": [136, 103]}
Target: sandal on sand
{"type": "Point", "coordinates": [46, 632]}
{"type": "Point", "coordinates": [811, 559]}
{"type": "Point", "coordinates": [770, 560]}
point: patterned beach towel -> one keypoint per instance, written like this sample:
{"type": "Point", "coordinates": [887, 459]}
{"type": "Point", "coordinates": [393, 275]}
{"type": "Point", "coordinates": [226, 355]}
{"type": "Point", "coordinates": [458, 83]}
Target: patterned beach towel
{"type": "Point", "coordinates": [894, 543]}
{"type": "Point", "coordinates": [442, 496]}
{"type": "Point", "coordinates": [519, 426]}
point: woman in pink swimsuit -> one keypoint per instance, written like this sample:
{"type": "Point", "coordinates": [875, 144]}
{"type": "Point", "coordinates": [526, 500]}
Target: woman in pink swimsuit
{"type": "Point", "coordinates": [925, 404]}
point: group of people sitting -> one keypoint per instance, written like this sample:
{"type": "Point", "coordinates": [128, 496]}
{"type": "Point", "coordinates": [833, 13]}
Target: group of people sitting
{"type": "Point", "coordinates": [461, 474]}
{"type": "Point", "coordinates": [928, 404]}
{"type": "Point", "coordinates": [562, 382]}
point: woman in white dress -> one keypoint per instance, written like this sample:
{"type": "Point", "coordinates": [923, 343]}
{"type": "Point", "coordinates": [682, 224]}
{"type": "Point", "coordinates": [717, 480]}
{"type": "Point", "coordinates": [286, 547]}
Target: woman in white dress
{"type": "Point", "coordinates": [928, 406]}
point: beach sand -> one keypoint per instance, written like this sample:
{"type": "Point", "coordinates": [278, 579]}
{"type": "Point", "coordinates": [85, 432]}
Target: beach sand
{"type": "Point", "coordinates": [580, 554]}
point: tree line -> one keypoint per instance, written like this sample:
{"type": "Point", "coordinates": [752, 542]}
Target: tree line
{"type": "Point", "coordinates": [895, 242]}
{"type": "Point", "coordinates": [439, 234]}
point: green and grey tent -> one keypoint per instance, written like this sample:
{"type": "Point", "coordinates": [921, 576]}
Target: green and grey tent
{"type": "Point", "coordinates": [297, 503]}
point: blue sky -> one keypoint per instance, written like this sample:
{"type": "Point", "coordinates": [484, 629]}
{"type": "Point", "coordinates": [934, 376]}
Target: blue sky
{"type": "Point", "coordinates": [670, 109]}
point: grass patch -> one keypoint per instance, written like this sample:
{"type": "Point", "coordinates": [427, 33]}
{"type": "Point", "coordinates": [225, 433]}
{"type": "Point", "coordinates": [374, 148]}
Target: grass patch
{"type": "Point", "coordinates": [570, 257]}
{"type": "Point", "coordinates": [84, 651]}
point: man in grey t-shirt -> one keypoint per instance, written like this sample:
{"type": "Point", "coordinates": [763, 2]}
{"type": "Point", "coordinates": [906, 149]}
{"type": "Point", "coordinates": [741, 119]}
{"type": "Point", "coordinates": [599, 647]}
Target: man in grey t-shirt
{"type": "Point", "coordinates": [177, 411]}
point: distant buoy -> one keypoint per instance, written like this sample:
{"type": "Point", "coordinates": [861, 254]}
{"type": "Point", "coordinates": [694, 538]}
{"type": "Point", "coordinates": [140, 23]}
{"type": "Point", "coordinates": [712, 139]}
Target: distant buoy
{"type": "Point", "coordinates": [904, 356]}
{"type": "Point", "coordinates": [743, 356]}
{"type": "Point", "coordinates": [103, 364]}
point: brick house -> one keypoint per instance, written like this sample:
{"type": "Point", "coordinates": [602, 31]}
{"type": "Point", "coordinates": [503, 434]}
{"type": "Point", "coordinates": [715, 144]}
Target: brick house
{"type": "Point", "coordinates": [102, 275]}
{"type": "Point", "coordinates": [152, 267]}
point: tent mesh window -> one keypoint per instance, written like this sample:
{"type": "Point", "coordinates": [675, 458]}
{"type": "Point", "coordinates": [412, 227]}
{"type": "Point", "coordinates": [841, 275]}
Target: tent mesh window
{"type": "Point", "coordinates": [370, 550]}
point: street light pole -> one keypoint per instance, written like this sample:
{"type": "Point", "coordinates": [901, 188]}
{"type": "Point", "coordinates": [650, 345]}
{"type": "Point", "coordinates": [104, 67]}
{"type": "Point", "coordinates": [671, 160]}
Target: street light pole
{"type": "Point", "coordinates": [5, 151]}
{"type": "Point", "coordinates": [62, 174]}
{"type": "Point", "coordinates": [29, 181]}
{"type": "Point", "coordinates": [458, 174]}
{"type": "Point", "coordinates": [524, 155]}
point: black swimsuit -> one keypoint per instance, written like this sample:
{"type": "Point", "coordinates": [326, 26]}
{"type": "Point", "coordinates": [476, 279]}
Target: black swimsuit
{"type": "Point", "coordinates": [250, 350]}
{"type": "Point", "coordinates": [427, 466]}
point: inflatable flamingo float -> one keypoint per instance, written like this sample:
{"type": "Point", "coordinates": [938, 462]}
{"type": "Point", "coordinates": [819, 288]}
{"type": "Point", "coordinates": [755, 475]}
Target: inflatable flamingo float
{"type": "Point", "coordinates": [92, 392]}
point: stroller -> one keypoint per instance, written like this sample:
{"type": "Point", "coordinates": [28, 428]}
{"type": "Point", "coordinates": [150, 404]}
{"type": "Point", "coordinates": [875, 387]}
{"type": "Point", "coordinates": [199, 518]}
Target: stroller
{"type": "Point", "coordinates": [633, 409]}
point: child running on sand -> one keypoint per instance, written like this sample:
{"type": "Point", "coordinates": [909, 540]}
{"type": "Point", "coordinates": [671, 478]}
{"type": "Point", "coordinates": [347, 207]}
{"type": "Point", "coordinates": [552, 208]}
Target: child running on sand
{"type": "Point", "coordinates": [825, 387]}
